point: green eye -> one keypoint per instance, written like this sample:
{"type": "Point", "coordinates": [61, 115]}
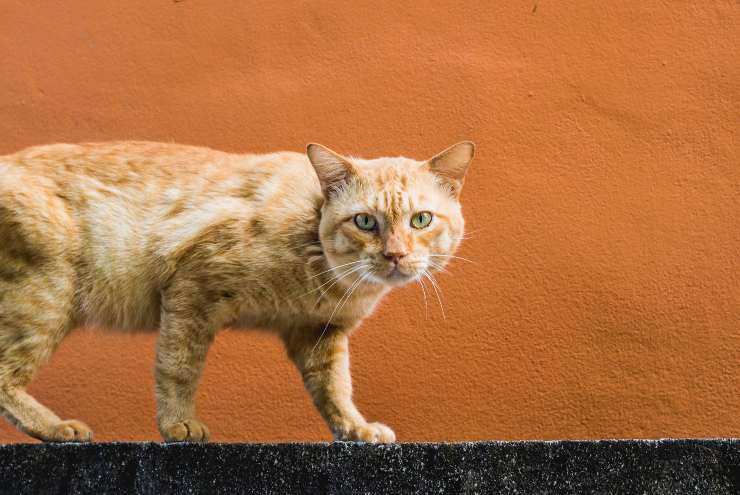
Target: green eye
{"type": "Point", "coordinates": [421, 220]}
{"type": "Point", "coordinates": [365, 221]}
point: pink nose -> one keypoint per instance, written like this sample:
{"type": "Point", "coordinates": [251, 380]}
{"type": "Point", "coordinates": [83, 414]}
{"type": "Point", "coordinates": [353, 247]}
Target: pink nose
{"type": "Point", "coordinates": [395, 247]}
{"type": "Point", "coordinates": [395, 257]}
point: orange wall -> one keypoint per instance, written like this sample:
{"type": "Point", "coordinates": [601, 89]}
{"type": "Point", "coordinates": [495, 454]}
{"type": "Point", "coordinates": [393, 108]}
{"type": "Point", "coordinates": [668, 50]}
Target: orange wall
{"type": "Point", "coordinates": [604, 300]}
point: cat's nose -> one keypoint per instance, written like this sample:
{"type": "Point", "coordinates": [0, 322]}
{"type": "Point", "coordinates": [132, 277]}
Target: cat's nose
{"type": "Point", "coordinates": [395, 257]}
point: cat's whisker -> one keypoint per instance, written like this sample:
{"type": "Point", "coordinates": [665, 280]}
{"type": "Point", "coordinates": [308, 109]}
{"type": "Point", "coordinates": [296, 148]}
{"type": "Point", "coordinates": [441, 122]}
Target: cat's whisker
{"type": "Point", "coordinates": [437, 266]}
{"type": "Point", "coordinates": [450, 256]}
{"type": "Point", "coordinates": [336, 278]}
{"type": "Point", "coordinates": [424, 292]}
{"type": "Point", "coordinates": [335, 281]}
{"type": "Point", "coordinates": [355, 286]}
{"type": "Point", "coordinates": [335, 267]}
{"type": "Point", "coordinates": [295, 294]}
{"type": "Point", "coordinates": [469, 233]}
{"type": "Point", "coordinates": [463, 238]}
{"type": "Point", "coordinates": [436, 292]}
{"type": "Point", "coordinates": [340, 304]}
{"type": "Point", "coordinates": [439, 269]}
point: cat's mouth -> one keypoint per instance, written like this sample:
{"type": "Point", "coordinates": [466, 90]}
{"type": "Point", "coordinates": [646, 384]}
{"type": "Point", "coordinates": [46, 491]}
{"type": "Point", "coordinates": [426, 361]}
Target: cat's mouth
{"type": "Point", "coordinates": [397, 275]}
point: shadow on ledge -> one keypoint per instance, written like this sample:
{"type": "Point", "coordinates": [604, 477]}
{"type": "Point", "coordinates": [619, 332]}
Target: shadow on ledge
{"type": "Point", "coordinates": [611, 466]}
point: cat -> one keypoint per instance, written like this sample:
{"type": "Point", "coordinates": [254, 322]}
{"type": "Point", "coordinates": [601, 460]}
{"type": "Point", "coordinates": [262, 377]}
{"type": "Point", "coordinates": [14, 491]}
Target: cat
{"type": "Point", "coordinates": [188, 240]}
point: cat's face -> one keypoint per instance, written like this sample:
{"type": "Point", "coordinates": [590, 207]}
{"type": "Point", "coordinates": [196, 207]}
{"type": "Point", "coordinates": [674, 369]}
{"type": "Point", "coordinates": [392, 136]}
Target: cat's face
{"type": "Point", "coordinates": [390, 220]}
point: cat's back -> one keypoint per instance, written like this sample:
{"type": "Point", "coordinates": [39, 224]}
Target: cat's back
{"type": "Point", "coordinates": [100, 188]}
{"type": "Point", "coordinates": [150, 171]}
{"type": "Point", "coordinates": [125, 190]}
{"type": "Point", "coordinates": [115, 163]}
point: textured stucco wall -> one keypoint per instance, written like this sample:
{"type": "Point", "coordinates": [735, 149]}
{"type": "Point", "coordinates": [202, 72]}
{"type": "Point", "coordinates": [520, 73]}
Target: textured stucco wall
{"type": "Point", "coordinates": [604, 300]}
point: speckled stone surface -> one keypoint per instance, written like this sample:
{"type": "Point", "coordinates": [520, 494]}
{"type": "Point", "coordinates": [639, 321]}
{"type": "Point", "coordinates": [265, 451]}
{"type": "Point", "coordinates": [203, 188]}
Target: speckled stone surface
{"type": "Point", "coordinates": [610, 467]}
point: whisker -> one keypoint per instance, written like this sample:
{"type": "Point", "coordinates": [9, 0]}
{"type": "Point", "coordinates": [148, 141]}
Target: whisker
{"type": "Point", "coordinates": [355, 286]}
{"type": "Point", "coordinates": [450, 256]}
{"type": "Point", "coordinates": [436, 292]}
{"type": "Point", "coordinates": [335, 267]}
{"type": "Point", "coordinates": [323, 331]}
{"type": "Point", "coordinates": [467, 235]}
{"type": "Point", "coordinates": [295, 295]}
{"type": "Point", "coordinates": [437, 266]}
{"type": "Point", "coordinates": [342, 301]}
{"type": "Point", "coordinates": [349, 270]}
{"type": "Point", "coordinates": [336, 280]}
{"type": "Point", "coordinates": [424, 292]}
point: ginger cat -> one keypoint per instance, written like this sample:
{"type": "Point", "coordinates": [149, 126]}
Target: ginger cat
{"type": "Point", "coordinates": [188, 240]}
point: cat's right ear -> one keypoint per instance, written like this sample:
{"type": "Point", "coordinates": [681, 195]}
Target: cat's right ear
{"type": "Point", "coordinates": [332, 168]}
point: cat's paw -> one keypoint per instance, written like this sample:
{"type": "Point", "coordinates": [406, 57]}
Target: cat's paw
{"type": "Point", "coordinates": [70, 430]}
{"type": "Point", "coordinates": [368, 432]}
{"type": "Point", "coordinates": [189, 430]}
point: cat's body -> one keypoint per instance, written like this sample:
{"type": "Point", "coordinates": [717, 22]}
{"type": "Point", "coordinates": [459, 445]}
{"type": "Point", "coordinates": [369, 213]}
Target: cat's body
{"type": "Point", "coordinates": [127, 227]}
{"type": "Point", "coordinates": [188, 240]}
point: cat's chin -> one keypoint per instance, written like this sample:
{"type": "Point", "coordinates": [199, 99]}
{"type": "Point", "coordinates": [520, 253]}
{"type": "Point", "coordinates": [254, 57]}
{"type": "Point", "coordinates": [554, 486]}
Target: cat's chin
{"type": "Point", "coordinates": [395, 278]}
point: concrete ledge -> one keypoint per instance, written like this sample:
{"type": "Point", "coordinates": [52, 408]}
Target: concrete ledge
{"type": "Point", "coordinates": [630, 467]}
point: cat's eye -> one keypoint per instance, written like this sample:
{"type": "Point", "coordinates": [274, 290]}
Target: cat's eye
{"type": "Point", "coordinates": [365, 221]}
{"type": "Point", "coordinates": [421, 220]}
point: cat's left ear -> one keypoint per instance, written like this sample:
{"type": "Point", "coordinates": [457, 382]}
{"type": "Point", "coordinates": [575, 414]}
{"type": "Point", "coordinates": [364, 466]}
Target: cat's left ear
{"type": "Point", "coordinates": [452, 164]}
{"type": "Point", "coordinates": [332, 168]}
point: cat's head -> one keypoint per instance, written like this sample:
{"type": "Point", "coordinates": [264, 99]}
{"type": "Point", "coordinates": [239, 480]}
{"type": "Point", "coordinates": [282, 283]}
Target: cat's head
{"type": "Point", "coordinates": [389, 220]}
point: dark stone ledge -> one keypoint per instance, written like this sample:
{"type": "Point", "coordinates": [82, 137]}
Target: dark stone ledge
{"type": "Point", "coordinates": [610, 467]}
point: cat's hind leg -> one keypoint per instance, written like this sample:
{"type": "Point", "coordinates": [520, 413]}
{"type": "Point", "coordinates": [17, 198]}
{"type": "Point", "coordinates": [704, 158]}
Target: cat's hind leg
{"type": "Point", "coordinates": [35, 314]}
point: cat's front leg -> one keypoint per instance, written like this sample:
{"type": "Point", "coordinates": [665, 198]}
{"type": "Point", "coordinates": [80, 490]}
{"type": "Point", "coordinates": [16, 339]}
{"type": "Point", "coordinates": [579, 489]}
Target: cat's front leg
{"type": "Point", "coordinates": [324, 364]}
{"type": "Point", "coordinates": [187, 330]}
